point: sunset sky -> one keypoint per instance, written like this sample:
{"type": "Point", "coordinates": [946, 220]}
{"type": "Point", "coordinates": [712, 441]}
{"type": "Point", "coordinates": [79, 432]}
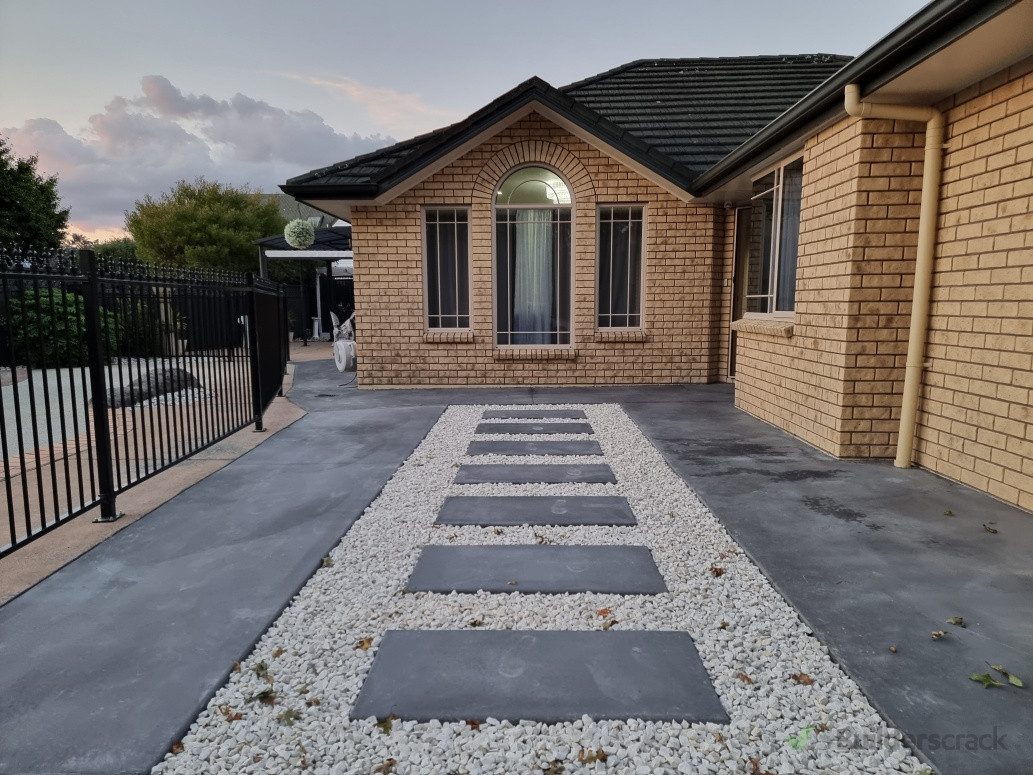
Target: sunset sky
{"type": "Point", "coordinates": [123, 98]}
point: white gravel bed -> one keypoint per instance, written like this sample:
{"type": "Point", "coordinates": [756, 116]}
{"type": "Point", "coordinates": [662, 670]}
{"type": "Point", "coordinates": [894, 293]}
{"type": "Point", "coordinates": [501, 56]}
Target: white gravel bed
{"type": "Point", "coordinates": [750, 640]}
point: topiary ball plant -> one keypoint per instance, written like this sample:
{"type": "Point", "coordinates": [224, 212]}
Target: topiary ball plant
{"type": "Point", "coordinates": [299, 233]}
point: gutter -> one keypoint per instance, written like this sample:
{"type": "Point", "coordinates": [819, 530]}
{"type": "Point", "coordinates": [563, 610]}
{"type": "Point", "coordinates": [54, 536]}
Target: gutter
{"type": "Point", "coordinates": [931, 173]}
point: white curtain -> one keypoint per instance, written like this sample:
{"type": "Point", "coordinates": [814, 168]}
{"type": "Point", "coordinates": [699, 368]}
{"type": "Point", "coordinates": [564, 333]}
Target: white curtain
{"type": "Point", "coordinates": [532, 288]}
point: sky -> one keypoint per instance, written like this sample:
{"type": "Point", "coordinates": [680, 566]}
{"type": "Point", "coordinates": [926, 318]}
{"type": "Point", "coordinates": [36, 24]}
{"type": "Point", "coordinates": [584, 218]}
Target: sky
{"type": "Point", "coordinates": [123, 98]}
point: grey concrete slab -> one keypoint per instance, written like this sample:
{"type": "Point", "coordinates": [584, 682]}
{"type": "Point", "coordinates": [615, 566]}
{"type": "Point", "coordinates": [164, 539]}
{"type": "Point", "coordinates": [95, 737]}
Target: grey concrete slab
{"type": "Point", "coordinates": [533, 427]}
{"type": "Point", "coordinates": [104, 664]}
{"type": "Point", "coordinates": [619, 570]}
{"type": "Point", "coordinates": [534, 473]}
{"type": "Point", "coordinates": [570, 447]}
{"type": "Point", "coordinates": [494, 510]}
{"type": "Point", "coordinates": [534, 414]}
{"type": "Point", "coordinates": [868, 556]}
{"type": "Point", "coordinates": [547, 676]}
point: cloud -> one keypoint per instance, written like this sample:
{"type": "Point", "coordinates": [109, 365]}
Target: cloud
{"type": "Point", "coordinates": [144, 144]}
{"type": "Point", "coordinates": [405, 115]}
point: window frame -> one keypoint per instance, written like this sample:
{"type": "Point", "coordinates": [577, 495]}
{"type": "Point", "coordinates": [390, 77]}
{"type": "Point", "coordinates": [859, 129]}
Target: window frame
{"type": "Point", "coordinates": [776, 236]}
{"type": "Point", "coordinates": [572, 207]}
{"type": "Point", "coordinates": [641, 269]}
{"type": "Point", "coordinates": [424, 209]}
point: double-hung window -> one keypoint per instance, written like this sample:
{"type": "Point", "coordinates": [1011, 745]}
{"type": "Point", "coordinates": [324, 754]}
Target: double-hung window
{"type": "Point", "coordinates": [620, 267]}
{"type": "Point", "coordinates": [774, 240]}
{"type": "Point", "coordinates": [446, 240]}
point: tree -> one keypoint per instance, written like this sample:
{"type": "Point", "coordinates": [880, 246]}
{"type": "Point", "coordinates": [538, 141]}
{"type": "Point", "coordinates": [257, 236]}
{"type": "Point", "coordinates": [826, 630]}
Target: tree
{"type": "Point", "coordinates": [203, 224]}
{"type": "Point", "coordinates": [122, 248]}
{"type": "Point", "coordinates": [29, 204]}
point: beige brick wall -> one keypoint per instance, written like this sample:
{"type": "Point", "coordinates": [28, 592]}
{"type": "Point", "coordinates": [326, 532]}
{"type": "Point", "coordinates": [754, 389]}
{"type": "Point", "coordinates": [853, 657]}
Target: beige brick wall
{"type": "Point", "coordinates": [836, 373]}
{"type": "Point", "coordinates": [976, 422]}
{"type": "Point", "coordinates": [838, 377]}
{"type": "Point", "coordinates": [686, 300]}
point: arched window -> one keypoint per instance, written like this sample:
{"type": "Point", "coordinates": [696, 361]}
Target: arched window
{"type": "Point", "coordinates": [532, 258]}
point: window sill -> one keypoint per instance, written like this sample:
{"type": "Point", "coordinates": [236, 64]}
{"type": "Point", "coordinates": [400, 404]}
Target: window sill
{"type": "Point", "coordinates": [441, 336]}
{"type": "Point", "coordinates": [622, 335]}
{"type": "Point", "coordinates": [536, 354]}
{"type": "Point", "coordinates": [771, 327]}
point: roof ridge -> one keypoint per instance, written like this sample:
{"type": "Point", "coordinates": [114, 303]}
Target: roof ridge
{"type": "Point", "coordinates": [817, 56]}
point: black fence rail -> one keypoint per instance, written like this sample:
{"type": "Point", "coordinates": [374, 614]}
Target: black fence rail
{"type": "Point", "coordinates": [114, 371]}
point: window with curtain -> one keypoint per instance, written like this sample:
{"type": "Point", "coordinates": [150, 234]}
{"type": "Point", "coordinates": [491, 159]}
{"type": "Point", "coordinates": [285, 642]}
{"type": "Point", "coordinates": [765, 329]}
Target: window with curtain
{"type": "Point", "coordinates": [774, 240]}
{"type": "Point", "coordinates": [446, 243]}
{"type": "Point", "coordinates": [533, 259]}
{"type": "Point", "coordinates": [620, 267]}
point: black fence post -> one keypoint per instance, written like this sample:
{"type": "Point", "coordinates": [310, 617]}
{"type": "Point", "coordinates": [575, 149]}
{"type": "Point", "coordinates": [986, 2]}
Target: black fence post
{"type": "Point", "coordinates": [95, 357]}
{"type": "Point", "coordinates": [252, 340]}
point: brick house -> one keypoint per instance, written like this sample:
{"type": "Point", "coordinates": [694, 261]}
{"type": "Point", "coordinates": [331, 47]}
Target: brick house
{"type": "Point", "coordinates": [795, 224]}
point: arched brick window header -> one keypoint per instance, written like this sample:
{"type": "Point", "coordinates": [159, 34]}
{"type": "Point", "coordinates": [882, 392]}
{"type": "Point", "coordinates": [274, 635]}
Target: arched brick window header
{"type": "Point", "coordinates": [534, 152]}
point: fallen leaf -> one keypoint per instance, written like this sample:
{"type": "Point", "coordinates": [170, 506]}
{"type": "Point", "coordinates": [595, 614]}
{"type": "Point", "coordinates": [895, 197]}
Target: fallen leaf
{"type": "Point", "coordinates": [227, 712]}
{"type": "Point", "coordinates": [511, 583]}
{"type": "Point", "coordinates": [364, 644]}
{"type": "Point", "coordinates": [958, 620]}
{"type": "Point", "coordinates": [474, 724]}
{"type": "Point", "coordinates": [313, 702]}
{"type": "Point", "coordinates": [744, 678]}
{"type": "Point", "coordinates": [256, 759]}
{"type": "Point", "coordinates": [452, 538]}
{"type": "Point", "coordinates": [387, 766]}
{"type": "Point", "coordinates": [266, 697]}
{"type": "Point", "coordinates": [893, 649]}
{"type": "Point", "coordinates": [328, 562]}
{"type": "Point", "coordinates": [718, 737]}
{"type": "Point", "coordinates": [717, 571]}
{"type": "Point", "coordinates": [603, 612]}
{"type": "Point", "coordinates": [279, 652]}
{"type": "Point", "coordinates": [939, 634]}
{"type": "Point", "coordinates": [802, 678]}
{"type": "Point", "coordinates": [723, 625]}
{"type": "Point", "coordinates": [555, 768]}
{"type": "Point", "coordinates": [476, 623]}
{"type": "Point", "coordinates": [986, 679]}
{"type": "Point", "coordinates": [822, 727]}
{"type": "Point", "coordinates": [289, 716]}
{"type": "Point", "coordinates": [177, 748]}
{"type": "Point", "coordinates": [609, 624]}
{"type": "Point", "coordinates": [590, 756]}
{"type": "Point", "coordinates": [756, 767]}
{"type": "Point", "coordinates": [261, 669]}
{"type": "Point", "coordinates": [385, 725]}
{"type": "Point", "coordinates": [989, 529]}
{"type": "Point", "coordinates": [236, 666]}
{"type": "Point", "coordinates": [498, 531]}
{"type": "Point", "coordinates": [1013, 680]}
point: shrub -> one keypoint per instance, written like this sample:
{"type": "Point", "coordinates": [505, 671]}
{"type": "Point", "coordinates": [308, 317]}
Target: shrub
{"type": "Point", "coordinates": [48, 328]}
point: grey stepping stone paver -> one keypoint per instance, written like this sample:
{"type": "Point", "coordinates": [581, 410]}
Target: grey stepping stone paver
{"type": "Point", "coordinates": [550, 676]}
{"type": "Point", "coordinates": [574, 447]}
{"type": "Point", "coordinates": [537, 473]}
{"type": "Point", "coordinates": [534, 414]}
{"type": "Point", "coordinates": [504, 510]}
{"type": "Point", "coordinates": [619, 570]}
{"type": "Point", "coordinates": [549, 428]}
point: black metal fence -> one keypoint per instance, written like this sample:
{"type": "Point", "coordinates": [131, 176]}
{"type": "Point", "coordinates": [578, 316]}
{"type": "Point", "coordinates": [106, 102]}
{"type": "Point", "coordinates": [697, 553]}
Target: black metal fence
{"type": "Point", "coordinates": [114, 371]}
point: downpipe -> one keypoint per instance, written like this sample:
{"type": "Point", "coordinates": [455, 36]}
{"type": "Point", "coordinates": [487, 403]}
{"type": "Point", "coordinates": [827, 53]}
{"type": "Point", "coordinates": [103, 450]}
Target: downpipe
{"type": "Point", "coordinates": [931, 173]}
